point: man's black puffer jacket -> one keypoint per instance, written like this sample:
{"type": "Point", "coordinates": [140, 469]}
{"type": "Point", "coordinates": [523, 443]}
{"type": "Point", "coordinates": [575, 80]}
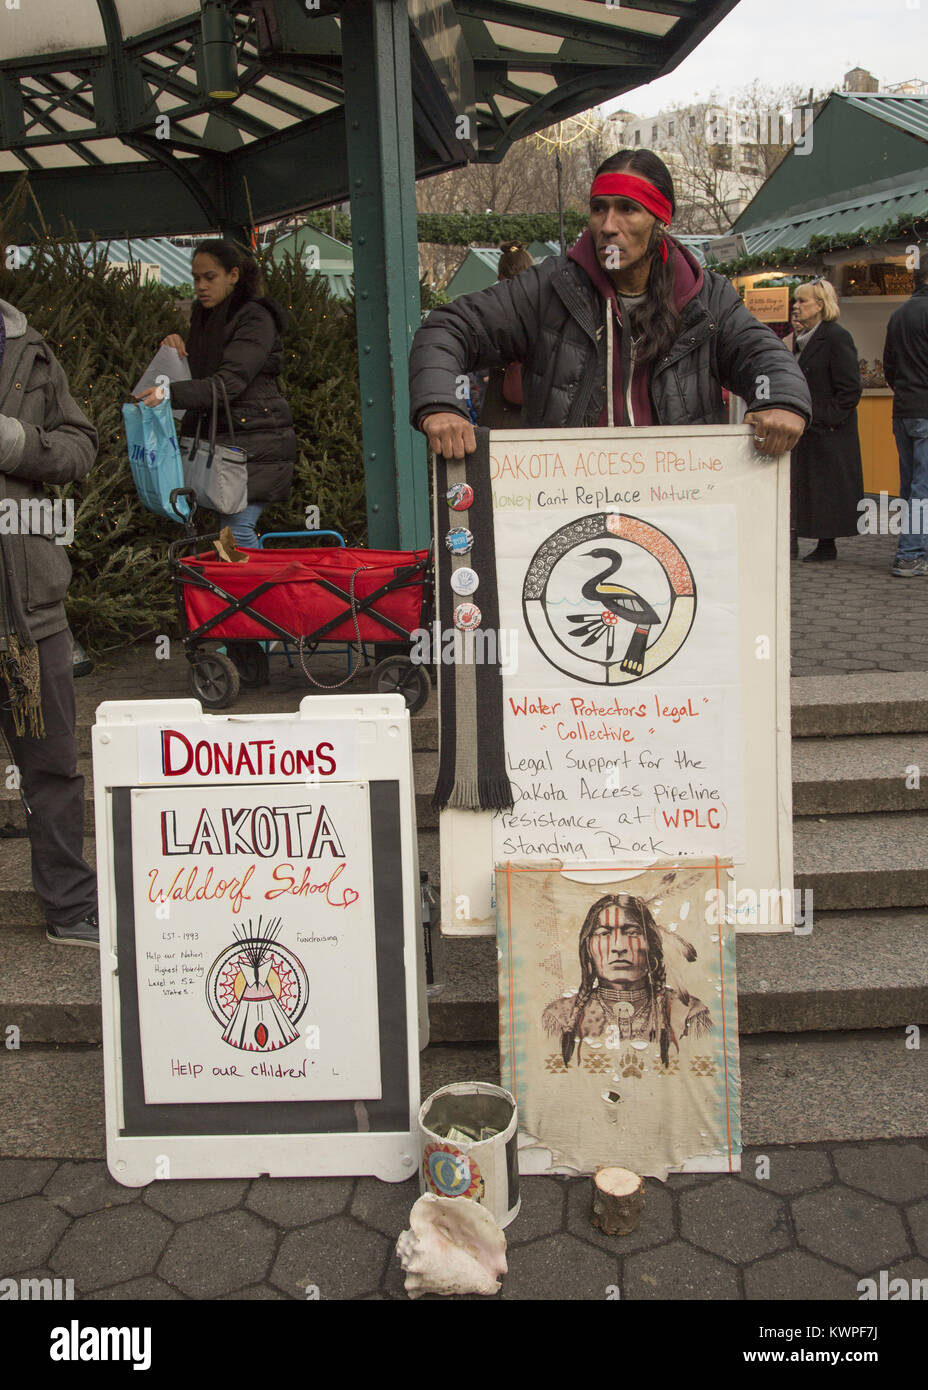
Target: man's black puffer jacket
{"type": "Point", "coordinates": [551, 318]}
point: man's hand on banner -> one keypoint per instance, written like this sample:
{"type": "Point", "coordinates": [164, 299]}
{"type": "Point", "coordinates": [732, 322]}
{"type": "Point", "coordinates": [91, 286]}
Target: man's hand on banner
{"type": "Point", "coordinates": [775, 431]}
{"type": "Point", "coordinates": [451, 435]}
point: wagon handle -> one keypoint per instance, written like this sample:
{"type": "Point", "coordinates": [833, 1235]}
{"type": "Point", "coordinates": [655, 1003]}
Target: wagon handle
{"type": "Point", "coordinates": [292, 535]}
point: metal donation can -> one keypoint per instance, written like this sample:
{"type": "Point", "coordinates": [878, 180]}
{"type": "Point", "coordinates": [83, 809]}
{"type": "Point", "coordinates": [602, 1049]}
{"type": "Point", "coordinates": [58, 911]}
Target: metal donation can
{"type": "Point", "coordinates": [469, 1146]}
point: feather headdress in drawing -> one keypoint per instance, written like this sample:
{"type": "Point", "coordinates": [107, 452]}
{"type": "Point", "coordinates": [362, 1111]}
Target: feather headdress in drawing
{"type": "Point", "coordinates": [258, 1023]}
{"type": "Point", "coordinates": [699, 1020]}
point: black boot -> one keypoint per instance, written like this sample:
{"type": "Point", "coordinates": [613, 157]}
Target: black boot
{"type": "Point", "coordinates": [793, 546]}
{"type": "Point", "coordinates": [825, 550]}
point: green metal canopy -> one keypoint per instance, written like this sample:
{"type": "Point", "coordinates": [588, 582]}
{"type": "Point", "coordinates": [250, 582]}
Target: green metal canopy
{"type": "Point", "coordinates": [137, 117]}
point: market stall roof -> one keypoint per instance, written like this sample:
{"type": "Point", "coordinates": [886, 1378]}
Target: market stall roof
{"type": "Point", "coordinates": [861, 210]}
{"type": "Point", "coordinates": [173, 262]}
{"type": "Point", "coordinates": [333, 259]}
{"type": "Point", "coordinates": [135, 117]}
{"type": "Point", "coordinates": [908, 113]}
{"type": "Point", "coordinates": [862, 161]}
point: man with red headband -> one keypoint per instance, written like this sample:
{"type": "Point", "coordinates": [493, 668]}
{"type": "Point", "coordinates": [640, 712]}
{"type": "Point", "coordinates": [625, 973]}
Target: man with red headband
{"type": "Point", "coordinates": [628, 306]}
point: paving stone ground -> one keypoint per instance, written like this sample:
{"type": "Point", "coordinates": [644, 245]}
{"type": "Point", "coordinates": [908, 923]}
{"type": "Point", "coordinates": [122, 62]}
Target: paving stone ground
{"type": "Point", "coordinates": [826, 1217]}
{"type": "Point", "coordinates": [853, 615]}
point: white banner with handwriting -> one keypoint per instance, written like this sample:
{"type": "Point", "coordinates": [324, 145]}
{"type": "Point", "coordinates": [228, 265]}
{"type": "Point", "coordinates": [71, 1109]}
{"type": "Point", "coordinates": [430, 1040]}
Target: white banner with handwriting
{"type": "Point", "coordinates": [644, 626]}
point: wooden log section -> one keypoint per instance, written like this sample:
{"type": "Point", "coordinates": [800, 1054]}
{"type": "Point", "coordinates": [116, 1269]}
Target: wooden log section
{"type": "Point", "coordinates": [618, 1195]}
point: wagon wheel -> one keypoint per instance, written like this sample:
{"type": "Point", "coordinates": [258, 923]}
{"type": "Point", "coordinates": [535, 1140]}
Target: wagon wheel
{"type": "Point", "coordinates": [399, 676]}
{"type": "Point", "coordinates": [214, 680]}
{"type": "Point", "coordinates": [251, 662]}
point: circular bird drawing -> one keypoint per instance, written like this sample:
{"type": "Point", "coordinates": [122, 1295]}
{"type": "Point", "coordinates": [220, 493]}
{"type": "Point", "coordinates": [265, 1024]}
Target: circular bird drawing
{"type": "Point", "coordinates": [609, 598]}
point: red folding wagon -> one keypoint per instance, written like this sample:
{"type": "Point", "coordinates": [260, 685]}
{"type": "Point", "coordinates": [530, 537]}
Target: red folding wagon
{"type": "Point", "coordinates": [301, 597]}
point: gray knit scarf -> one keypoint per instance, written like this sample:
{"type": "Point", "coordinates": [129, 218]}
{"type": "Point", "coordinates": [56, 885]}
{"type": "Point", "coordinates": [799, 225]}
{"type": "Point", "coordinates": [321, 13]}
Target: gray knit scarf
{"type": "Point", "coordinates": [472, 758]}
{"type": "Point", "coordinates": [802, 337]}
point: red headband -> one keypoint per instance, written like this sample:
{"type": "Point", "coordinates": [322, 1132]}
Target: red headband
{"type": "Point", "coordinates": [639, 191]}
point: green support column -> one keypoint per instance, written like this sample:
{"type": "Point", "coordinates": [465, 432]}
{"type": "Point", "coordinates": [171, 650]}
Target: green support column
{"type": "Point", "coordinates": [381, 168]}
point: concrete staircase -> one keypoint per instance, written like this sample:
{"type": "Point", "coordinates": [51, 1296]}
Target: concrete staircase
{"type": "Point", "coordinates": [823, 1017]}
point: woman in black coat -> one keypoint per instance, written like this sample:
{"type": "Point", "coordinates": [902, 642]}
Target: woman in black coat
{"type": "Point", "coordinates": [235, 335]}
{"type": "Point", "coordinates": [826, 476]}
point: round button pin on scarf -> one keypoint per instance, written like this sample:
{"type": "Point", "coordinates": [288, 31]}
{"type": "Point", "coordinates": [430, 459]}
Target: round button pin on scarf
{"type": "Point", "coordinates": [459, 540]}
{"type": "Point", "coordinates": [464, 581]}
{"type": "Point", "coordinates": [460, 496]}
{"type": "Point", "coordinates": [467, 617]}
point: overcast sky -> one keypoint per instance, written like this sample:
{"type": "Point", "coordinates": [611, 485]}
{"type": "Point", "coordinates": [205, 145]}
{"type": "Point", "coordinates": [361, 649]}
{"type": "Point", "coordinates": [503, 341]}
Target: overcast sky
{"type": "Point", "coordinates": [809, 42]}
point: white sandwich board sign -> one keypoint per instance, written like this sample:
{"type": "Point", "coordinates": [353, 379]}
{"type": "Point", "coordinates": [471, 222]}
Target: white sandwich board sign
{"type": "Point", "coordinates": [259, 939]}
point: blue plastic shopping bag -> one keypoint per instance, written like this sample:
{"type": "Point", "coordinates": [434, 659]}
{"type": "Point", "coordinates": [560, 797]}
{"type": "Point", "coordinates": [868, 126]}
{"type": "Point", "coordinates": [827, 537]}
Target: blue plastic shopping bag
{"type": "Point", "coordinates": [154, 457]}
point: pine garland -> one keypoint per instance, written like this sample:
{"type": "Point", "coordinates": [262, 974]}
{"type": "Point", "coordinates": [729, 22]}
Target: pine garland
{"type": "Point", "coordinates": [474, 229]}
{"type": "Point", "coordinates": [898, 229]}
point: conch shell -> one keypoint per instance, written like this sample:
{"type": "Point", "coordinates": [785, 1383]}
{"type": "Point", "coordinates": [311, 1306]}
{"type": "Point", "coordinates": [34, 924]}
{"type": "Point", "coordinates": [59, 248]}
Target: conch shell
{"type": "Point", "coordinates": [454, 1246]}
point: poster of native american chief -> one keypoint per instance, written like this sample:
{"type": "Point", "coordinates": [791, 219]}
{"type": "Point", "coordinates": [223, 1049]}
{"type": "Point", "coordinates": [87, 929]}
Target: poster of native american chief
{"type": "Point", "coordinates": [619, 1017]}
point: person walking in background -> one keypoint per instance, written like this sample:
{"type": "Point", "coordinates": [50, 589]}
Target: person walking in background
{"type": "Point", "coordinates": [905, 365]}
{"type": "Point", "coordinates": [502, 404]}
{"type": "Point", "coordinates": [826, 477]}
{"type": "Point", "coordinates": [45, 438]}
{"type": "Point", "coordinates": [235, 334]}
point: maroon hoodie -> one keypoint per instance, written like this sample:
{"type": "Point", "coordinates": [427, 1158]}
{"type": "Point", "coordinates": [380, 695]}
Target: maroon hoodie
{"type": "Point", "coordinates": [688, 278]}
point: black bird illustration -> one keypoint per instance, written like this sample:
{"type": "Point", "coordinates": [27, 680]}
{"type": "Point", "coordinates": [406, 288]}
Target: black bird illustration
{"type": "Point", "coordinates": [621, 601]}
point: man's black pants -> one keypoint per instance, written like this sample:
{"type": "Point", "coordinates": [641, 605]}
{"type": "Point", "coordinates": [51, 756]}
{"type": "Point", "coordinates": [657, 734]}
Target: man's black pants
{"type": "Point", "coordinates": [53, 789]}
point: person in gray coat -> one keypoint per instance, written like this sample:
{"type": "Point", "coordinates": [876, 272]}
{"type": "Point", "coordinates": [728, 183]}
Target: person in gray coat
{"type": "Point", "coordinates": [45, 438]}
{"type": "Point", "coordinates": [628, 306]}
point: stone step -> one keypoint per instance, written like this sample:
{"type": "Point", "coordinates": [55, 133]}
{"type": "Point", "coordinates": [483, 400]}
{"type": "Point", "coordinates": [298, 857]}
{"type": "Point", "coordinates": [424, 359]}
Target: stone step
{"type": "Point", "coordinates": [466, 1007]}
{"type": "Point", "coordinates": [862, 861]}
{"type": "Point", "coordinates": [20, 907]}
{"type": "Point", "coordinates": [883, 772]}
{"type": "Point", "coordinates": [51, 993]}
{"type": "Point", "coordinates": [863, 970]}
{"type": "Point", "coordinates": [13, 812]}
{"type": "Point", "coordinates": [795, 1090]}
{"type": "Point", "coordinates": [808, 1088]}
{"type": "Point", "coordinates": [849, 861]}
{"type": "Point", "coordinates": [52, 1106]}
{"type": "Point", "coordinates": [832, 979]}
{"type": "Point", "coordinates": [873, 702]}
{"type": "Point", "coordinates": [830, 776]}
